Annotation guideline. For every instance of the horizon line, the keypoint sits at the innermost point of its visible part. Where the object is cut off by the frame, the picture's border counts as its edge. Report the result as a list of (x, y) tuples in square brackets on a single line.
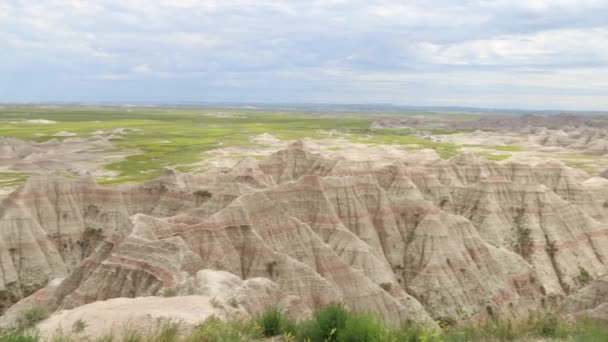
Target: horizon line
[(303, 105)]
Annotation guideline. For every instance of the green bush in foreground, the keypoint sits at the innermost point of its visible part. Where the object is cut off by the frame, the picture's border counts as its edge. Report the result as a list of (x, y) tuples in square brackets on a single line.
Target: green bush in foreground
[(364, 328), (274, 322), (326, 324), (410, 332)]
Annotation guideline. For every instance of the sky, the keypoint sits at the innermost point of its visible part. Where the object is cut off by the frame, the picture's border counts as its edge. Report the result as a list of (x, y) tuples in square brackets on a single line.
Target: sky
[(528, 54)]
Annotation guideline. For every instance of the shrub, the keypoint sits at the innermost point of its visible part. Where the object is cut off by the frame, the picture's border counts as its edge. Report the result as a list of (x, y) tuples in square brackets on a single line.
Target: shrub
[(169, 292), (288, 336), (503, 330), (386, 286), (524, 244), (410, 332), (548, 325), (326, 324), (273, 322), (216, 303), (584, 278), (541, 325), (132, 334), (79, 326), (445, 322), (270, 268), (93, 233), (551, 249), (233, 302), (202, 193), (364, 328), (490, 330), (168, 332), (213, 330), (32, 316)]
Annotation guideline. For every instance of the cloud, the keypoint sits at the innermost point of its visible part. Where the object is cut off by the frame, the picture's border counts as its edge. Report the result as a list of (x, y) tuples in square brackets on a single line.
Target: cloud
[(563, 48), (544, 5), (142, 69), (474, 51)]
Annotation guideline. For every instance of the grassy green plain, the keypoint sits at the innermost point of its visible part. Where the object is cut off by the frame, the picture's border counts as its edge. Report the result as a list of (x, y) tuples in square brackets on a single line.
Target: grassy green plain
[(178, 136)]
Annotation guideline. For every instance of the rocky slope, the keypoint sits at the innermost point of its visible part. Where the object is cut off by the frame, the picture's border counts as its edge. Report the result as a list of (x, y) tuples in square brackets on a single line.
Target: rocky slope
[(421, 239), (586, 134), (589, 140), (502, 122), (72, 155)]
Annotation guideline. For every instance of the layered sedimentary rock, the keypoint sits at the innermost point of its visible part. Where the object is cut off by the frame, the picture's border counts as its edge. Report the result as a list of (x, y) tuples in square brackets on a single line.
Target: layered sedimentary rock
[(587, 134), (73, 155), (591, 300), (420, 239), (49, 225), (502, 122)]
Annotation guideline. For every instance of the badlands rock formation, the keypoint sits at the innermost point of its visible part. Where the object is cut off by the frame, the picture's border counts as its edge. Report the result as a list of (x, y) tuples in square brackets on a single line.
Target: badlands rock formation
[(589, 140), (585, 133), (72, 155), (501, 122), (591, 300), (420, 239)]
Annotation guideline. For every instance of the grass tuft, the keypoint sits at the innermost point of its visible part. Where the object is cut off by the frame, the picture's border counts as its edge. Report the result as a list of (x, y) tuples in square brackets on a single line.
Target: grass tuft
[(238, 330), (32, 316)]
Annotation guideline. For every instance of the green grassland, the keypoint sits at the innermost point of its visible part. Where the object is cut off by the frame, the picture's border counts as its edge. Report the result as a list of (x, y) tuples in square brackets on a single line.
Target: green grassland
[(591, 164), (178, 136), (492, 156), (166, 137), (413, 139)]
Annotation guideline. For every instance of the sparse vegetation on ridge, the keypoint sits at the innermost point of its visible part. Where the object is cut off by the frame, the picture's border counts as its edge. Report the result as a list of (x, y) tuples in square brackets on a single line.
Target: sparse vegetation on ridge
[(584, 278), (492, 156), (403, 137)]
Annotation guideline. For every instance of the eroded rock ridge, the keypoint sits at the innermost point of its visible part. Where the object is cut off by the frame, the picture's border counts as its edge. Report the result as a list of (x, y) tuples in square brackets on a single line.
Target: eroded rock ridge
[(421, 239)]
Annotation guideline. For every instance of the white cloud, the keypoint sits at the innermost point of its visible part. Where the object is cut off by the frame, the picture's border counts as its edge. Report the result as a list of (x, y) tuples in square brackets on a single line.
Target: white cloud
[(190, 39), (377, 50), (142, 69), (543, 5), (557, 47)]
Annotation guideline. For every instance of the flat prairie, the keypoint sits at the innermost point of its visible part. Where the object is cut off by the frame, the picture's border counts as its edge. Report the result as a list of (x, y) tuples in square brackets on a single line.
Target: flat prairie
[(135, 144)]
